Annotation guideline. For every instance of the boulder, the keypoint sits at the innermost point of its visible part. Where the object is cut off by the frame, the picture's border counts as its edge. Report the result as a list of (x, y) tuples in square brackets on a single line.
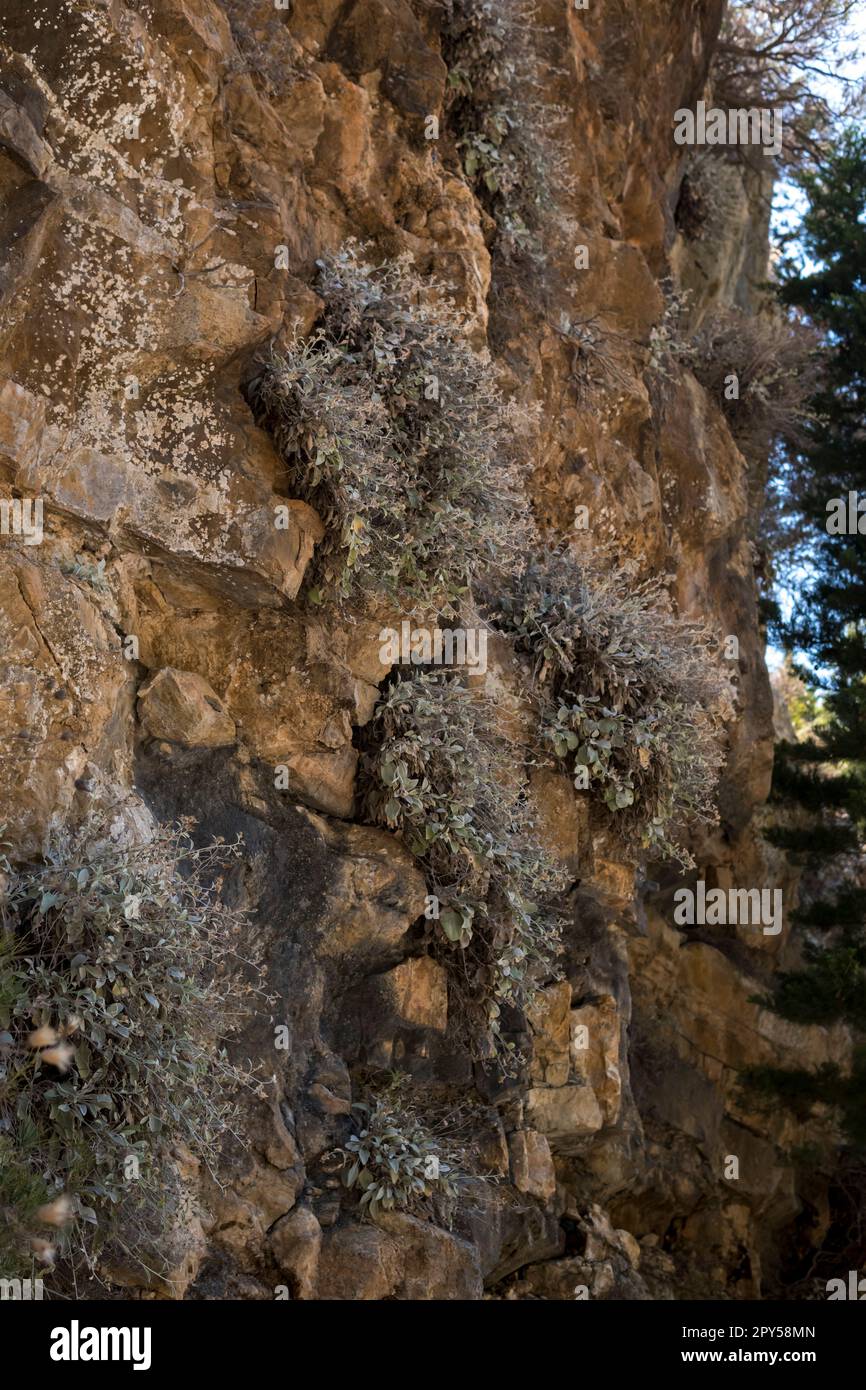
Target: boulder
[(565, 1114), (181, 707), (532, 1169), (548, 1017), (416, 994), (399, 1257), (296, 1242), (598, 1063)]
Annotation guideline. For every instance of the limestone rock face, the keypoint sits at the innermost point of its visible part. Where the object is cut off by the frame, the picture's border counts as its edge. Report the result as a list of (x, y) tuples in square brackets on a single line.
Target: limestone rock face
[(296, 1242), (532, 1168), (594, 1033), (549, 1021), (383, 36), (564, 817), (566, 1114), (183, 708), (374, 896), (417, 993), (400, 1257), (609, 1267), (65, 695), (169, 176)]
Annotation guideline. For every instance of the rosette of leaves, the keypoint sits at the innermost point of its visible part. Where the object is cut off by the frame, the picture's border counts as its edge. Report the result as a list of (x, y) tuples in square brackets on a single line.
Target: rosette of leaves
[(119, 979), (436, 771), (632, 698), (594, 735), (395, 430), (395, 1163), (433, 780)]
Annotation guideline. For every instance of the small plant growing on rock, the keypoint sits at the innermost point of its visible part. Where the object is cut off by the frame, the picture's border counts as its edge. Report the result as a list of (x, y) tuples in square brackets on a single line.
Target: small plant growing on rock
[(512, 140), (437, 771), (119, 976), (92, 573), (594, 364), (630, 696), (597, 736), (668, 342), (775, 363), (395, 1162), (265, 48), (394, 429)]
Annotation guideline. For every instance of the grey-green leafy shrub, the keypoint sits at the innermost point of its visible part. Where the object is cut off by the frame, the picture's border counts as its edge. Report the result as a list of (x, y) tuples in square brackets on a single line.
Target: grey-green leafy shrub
[(512, 141), (776, 362), (396, 1161), (395, 430), (437, 771), (631, 698), (23, 1194), (669, 342), (119, 977), (265, 48), (91, 573)]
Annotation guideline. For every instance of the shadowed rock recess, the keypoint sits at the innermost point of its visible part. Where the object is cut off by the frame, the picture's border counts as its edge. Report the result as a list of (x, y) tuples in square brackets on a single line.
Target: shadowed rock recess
[(183, 184)]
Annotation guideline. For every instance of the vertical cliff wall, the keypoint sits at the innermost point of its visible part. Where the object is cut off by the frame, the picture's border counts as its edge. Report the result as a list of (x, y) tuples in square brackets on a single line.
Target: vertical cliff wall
[(170, 173)]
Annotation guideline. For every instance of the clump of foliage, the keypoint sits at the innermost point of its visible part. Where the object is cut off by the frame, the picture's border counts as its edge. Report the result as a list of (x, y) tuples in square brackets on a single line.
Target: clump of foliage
[(402, 1160), (798, 1089), (668, 341), (265, 47), (594, 362), (826, 283), (831, 987), (816, 841), (775, 360), (512, 142), (801, 1091), (631, 697), (437, 771), (24, 1196), (118, 977), (395, 430), (92, 573), (823, 772), (795, 780), (845, 910), (796, 695)]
